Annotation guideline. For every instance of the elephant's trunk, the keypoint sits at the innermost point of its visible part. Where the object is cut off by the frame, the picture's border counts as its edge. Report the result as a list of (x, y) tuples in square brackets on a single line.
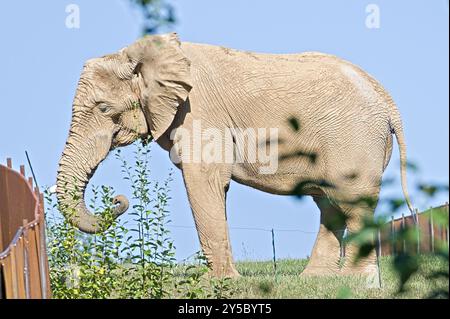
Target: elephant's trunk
[(80, 159)]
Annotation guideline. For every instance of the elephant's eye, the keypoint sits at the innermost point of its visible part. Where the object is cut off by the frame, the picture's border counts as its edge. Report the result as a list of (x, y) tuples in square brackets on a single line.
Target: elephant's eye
[(103, 107)]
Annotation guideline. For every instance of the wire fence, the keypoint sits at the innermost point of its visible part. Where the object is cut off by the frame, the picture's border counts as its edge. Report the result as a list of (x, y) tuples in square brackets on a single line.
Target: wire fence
[(429, 234), (274, 234), (264, 246), (254, 228)]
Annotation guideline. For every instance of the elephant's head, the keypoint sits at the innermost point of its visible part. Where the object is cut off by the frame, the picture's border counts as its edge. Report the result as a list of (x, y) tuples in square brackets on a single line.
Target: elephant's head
[(120, 98)]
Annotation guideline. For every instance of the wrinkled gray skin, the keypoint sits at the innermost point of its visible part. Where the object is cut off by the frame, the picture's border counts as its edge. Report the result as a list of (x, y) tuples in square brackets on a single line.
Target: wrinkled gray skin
[(158, 84)]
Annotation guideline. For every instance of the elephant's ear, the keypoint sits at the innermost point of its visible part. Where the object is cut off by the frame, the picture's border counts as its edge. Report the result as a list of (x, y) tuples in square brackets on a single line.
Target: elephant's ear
[(165, 71)]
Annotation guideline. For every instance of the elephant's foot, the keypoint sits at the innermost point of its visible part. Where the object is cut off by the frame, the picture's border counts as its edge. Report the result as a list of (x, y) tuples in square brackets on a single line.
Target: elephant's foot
[(365, 268), (369, 273), (322, 265), (222, 267), (316, 271), (228, 271)]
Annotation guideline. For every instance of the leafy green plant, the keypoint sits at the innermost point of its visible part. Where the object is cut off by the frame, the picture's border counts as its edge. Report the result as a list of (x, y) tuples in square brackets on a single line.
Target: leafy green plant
[(129, 259), (83, 266), (152, 252), (197, 284)]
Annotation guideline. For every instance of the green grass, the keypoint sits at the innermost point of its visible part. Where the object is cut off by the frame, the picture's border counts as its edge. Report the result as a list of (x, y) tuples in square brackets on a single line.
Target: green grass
[(258, 281)]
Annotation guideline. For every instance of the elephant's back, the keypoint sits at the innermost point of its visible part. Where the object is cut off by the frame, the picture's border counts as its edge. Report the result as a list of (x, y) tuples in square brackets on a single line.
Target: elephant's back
[(219, 57), (217, 51), (307, 69), (312, 86)]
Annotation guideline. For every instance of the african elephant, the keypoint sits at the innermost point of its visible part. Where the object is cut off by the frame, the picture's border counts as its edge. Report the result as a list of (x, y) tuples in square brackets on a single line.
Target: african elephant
[(160, 86)]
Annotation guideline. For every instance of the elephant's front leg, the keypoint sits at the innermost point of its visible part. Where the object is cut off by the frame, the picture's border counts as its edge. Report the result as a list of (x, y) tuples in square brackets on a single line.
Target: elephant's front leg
[(206, 186)]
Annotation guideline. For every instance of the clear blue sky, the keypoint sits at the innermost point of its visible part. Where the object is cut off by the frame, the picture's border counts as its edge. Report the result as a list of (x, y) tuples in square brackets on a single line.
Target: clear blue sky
[(42, 59)]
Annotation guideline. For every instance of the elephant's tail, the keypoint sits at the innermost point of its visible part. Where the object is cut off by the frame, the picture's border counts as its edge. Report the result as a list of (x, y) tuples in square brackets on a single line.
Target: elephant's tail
[(397, 129)]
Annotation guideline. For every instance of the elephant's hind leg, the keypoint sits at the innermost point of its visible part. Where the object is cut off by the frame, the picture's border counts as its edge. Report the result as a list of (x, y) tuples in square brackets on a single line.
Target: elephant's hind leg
[(366, 267), (326, 253)]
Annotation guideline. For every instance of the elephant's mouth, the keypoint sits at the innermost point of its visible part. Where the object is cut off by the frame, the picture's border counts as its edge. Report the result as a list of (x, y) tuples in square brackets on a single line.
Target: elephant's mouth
[(114, 138), (115, 133), (126, 136), (122, 137)]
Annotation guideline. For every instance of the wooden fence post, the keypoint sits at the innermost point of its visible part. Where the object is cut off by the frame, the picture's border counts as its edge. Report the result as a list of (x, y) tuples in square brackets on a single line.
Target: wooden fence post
[(22, 170), (43, 258), (15, 284), (26, 261)]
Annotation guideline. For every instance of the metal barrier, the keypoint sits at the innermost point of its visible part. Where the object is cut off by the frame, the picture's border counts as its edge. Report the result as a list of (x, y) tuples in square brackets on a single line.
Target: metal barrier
[(23, 257), (429, 233)]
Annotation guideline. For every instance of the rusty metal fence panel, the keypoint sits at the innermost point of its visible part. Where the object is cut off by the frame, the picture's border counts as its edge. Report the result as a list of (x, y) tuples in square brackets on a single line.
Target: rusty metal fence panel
[(429, 234), (23, 258)]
